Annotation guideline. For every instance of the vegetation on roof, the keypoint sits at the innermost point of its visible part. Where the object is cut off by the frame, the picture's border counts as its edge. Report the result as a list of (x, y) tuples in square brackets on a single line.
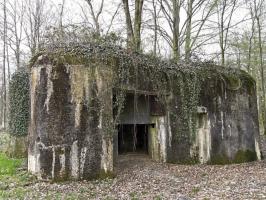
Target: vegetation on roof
[(183, 80)]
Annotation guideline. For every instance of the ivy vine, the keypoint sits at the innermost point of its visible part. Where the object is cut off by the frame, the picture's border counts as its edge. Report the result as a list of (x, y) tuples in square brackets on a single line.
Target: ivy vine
[(182, 81), (19, 103)]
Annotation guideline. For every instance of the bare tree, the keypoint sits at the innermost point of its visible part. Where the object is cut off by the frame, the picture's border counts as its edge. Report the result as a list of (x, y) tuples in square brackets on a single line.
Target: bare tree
[(258, 12), (134, 30), (171, 10), (61, 17), (4, 85), (225, 10), (95, 15), (195, 26), (186, 33), (35, 21), (155, 16), (16, 14)]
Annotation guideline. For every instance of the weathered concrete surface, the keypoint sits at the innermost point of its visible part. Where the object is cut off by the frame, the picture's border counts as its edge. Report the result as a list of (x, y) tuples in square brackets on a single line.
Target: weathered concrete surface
[(71, 107), (203, 136), (234, 120), (158, 135), (263, 146)]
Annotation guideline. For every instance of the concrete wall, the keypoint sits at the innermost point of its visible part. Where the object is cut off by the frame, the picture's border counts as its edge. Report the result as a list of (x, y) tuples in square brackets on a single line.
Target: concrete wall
[(233, 118), (263, 146), (158, 136), (71, 111)]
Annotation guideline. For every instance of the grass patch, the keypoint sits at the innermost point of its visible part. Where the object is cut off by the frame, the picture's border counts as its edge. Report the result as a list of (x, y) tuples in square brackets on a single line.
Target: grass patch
[(13, 179), (133, 196), (158, 197), (8, 166)]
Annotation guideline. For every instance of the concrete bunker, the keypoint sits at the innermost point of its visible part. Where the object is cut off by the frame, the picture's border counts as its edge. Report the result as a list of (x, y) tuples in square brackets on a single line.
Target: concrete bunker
[(84, 99)]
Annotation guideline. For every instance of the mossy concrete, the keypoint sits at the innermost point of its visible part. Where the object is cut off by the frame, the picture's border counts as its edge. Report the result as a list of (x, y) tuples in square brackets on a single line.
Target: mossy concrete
[(69, 137), (13, 146), (17, 147), (241, 156)]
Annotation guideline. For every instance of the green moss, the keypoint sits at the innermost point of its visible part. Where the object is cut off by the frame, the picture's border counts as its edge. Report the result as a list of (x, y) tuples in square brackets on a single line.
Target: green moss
[(104, 175), (195, 190), (245, 156), (233, 82), (219, 159), (187, 161), (240, 157)]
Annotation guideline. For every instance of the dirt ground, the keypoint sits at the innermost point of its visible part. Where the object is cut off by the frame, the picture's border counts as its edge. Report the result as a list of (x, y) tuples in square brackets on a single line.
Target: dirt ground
[(140, 178)]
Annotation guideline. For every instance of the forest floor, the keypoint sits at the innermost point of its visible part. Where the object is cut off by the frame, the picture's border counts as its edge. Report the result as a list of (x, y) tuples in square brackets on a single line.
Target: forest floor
[(140, 178)]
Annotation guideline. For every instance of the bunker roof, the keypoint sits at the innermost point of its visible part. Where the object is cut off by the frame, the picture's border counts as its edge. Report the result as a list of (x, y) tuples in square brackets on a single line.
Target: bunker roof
[(75, 53)]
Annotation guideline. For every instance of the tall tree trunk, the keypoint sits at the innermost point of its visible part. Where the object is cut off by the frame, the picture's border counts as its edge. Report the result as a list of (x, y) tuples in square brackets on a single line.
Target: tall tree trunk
[(176, 24), (188, 30), (263, 106), (222, 45), (250, 44), (130, 33), (155, 27), (133, 33), (95, 16), (4, 68), (137, 23), (61, 20)]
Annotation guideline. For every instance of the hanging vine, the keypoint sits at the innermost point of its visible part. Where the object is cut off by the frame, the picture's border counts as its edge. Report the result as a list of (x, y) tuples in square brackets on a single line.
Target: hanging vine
[(176, 85)]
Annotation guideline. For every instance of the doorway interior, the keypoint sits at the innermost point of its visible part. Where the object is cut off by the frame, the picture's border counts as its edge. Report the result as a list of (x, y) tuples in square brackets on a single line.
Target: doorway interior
[(133, 138)]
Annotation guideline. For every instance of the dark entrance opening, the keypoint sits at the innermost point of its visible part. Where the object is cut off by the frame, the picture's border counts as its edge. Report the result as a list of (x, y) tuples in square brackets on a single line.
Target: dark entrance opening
[(128, 141)]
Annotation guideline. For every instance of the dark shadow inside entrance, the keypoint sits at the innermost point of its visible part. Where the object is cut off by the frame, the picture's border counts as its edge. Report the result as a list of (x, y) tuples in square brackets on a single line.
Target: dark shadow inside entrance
[(130, 142)]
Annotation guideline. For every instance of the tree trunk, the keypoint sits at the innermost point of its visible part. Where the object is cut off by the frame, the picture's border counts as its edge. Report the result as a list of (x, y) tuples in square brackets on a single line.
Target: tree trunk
[(188, 30), (176, 24), (4, 69), (263, 107), (137, 23), (155, 28), (130, 33)]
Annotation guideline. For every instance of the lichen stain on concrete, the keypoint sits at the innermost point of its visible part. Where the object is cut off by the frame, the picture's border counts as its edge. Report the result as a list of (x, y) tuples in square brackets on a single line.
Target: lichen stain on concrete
[(82, 160), (162, 136), (35, 78), (33, 163), (153, 142), (222, 124), (79, 77), (34, 154), (106, 157), (257, 149), (49, 86), (203, 140), (74, 160), (158, 139)]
